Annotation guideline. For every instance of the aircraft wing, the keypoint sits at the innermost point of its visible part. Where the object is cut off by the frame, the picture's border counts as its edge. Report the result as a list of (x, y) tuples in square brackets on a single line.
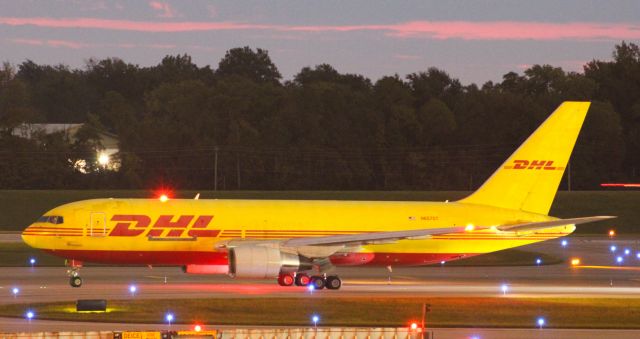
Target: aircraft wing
[(381, 237), (364, 238)]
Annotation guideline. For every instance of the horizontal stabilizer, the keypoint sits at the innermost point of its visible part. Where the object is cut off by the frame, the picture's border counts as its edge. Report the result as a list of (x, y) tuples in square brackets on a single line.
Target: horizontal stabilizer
[(532, 226)]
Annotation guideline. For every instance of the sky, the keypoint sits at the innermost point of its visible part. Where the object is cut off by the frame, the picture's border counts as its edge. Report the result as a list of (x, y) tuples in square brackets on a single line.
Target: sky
[(474, 40)]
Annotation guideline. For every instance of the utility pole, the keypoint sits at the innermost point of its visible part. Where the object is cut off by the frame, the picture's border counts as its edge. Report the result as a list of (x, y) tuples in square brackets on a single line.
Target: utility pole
[(215, 170)]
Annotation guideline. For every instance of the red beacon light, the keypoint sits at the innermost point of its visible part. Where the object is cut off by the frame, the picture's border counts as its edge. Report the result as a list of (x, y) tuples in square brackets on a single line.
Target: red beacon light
[(413, 326), (197, 328), (163, 198)]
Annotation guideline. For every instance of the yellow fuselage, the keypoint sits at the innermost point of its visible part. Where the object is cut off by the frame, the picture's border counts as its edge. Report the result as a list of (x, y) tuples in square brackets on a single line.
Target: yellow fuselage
[(183, 232)]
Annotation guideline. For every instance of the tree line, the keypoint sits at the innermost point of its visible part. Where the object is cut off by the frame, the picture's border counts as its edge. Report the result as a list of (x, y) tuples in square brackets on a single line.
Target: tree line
[(240, 126)]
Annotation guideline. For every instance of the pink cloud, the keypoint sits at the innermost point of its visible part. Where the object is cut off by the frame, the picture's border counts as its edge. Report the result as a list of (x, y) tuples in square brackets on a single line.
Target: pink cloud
[(406, 57), (512, 30), (51, 43), (32, 42), (162, 46), (164, 8), (125, 25), (466, 30), (65, 43)]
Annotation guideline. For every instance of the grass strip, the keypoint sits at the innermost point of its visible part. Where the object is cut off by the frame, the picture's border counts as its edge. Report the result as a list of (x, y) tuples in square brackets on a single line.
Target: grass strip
[(598, 313)]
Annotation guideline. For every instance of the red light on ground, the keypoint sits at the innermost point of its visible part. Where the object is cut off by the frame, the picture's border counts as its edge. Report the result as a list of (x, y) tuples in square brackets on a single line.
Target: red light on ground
[(197, 328), (612, 233), (414, 326), (164, 198)]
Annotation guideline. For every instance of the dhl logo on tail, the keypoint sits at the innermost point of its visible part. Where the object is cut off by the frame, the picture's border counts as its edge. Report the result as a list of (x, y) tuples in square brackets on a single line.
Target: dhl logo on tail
[(534, 164), (165, 227)]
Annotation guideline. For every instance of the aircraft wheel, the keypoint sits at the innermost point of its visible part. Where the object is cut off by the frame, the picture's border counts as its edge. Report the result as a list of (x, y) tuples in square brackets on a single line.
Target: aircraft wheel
[(285, 279), (333, 282), (302, 279), (317, 282), (75, 281)]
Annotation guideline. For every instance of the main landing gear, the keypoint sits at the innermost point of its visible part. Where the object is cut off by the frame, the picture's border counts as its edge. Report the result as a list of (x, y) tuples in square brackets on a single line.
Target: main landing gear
[(331, 282)]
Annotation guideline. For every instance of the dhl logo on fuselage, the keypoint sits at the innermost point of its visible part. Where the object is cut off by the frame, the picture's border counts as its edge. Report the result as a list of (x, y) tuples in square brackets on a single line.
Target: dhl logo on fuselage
[(133, 225), (534, 165)]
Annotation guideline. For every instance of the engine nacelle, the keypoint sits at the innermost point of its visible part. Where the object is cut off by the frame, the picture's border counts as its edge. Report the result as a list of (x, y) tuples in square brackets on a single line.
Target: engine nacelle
[(261, 262)]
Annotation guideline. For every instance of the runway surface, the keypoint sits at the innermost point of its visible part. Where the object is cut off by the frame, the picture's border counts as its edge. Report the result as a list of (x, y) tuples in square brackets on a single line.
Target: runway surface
[(601, 276)]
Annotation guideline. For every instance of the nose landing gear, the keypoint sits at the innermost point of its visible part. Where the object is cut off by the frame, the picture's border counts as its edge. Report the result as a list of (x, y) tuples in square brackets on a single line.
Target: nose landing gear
[(75, 281), (74, 273)]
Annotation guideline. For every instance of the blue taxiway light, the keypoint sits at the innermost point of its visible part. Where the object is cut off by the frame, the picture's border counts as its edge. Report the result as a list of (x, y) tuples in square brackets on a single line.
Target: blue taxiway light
[(15, 291), (169, 317), (32, 261), (133, 289), (538, 261), (29, 315), (613, 248), (619, 260), (564, 243), (627, 251)]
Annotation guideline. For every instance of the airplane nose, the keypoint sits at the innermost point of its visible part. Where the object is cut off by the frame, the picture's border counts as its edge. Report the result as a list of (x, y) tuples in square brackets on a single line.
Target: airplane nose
[(28, 237)]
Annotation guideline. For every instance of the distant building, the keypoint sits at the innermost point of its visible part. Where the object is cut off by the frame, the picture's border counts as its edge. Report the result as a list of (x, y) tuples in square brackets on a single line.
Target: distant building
[(105, 155)]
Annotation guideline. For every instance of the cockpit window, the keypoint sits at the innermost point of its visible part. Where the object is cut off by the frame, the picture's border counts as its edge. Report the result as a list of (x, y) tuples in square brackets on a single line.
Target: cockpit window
[(56, 219), (52, 219)]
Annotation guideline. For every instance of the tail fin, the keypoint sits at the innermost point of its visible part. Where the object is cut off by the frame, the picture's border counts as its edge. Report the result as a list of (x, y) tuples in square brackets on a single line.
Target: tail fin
[(530, 177)]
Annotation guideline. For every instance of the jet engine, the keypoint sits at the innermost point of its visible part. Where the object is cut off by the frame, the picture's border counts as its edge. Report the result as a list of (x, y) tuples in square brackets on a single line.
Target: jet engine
[(261, 262)]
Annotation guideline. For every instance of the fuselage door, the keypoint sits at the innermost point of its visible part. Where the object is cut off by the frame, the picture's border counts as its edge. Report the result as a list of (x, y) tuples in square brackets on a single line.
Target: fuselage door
[(97, 225)]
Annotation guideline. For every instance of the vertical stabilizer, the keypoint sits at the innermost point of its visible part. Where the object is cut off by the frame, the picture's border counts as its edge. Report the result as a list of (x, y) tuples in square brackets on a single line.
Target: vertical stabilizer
[(530, 177)]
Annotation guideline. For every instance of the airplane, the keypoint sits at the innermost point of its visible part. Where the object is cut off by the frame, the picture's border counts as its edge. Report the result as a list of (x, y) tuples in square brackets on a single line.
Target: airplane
[(299, 242)]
